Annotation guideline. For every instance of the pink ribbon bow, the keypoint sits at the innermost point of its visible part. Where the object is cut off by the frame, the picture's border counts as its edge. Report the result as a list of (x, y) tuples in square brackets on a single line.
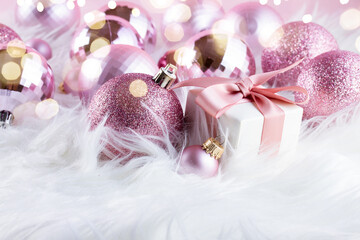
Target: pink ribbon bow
[(220, 94)]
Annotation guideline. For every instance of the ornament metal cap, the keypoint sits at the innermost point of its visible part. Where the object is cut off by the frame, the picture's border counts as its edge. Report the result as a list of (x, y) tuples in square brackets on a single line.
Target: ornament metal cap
[(166, 76), (213, 147), (6, 119)]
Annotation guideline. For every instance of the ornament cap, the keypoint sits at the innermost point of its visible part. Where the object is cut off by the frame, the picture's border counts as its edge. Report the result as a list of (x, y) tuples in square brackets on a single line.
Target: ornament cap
[(166, 76), (6, 119), (213, 147)]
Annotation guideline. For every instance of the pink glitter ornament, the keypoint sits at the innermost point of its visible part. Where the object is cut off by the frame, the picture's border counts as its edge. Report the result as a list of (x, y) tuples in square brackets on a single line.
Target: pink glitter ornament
[(292, 42), (138, 102), (211, 53), (25, 76), (103, 31), (41, 46), (332, 80), (138, 18), (254, 23), (7, 34), (201, 160), (104, 64), (55, 16), (185, 19)]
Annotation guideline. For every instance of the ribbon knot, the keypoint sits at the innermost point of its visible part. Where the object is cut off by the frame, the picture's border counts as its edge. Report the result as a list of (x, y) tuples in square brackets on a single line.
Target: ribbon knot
[(220, 94), (245, 86)]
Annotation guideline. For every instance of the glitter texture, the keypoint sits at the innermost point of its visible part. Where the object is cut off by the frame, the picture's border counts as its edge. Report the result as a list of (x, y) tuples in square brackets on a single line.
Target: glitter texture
[(7, 34), (141, 114), (332, 80), (214, 54), (292, 42)]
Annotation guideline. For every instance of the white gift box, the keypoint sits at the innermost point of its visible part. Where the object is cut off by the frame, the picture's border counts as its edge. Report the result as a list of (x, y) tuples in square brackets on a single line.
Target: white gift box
[(242, 124)]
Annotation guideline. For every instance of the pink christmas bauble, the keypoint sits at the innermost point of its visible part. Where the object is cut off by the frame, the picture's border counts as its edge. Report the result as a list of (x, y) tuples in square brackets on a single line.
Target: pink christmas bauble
[(7, 34), (52, 16), (292, 42), (332, 80), (210, 54), (134, 102), (25, 76), (184, 19), (41, 46), (104, 64), (195, 160), (167, 58), (254, 23), (138, 18), (103, 31)]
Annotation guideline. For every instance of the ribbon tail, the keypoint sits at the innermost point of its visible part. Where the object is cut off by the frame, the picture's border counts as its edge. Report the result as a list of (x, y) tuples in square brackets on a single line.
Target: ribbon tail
[(260, 79), (274, 118)]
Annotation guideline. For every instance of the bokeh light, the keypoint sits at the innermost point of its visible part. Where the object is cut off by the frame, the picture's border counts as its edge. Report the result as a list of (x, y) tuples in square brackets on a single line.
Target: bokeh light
[(350, 19), (344, 1), (357, 44), (174, 32), (263, 2), (277, 2), (81, 3), (112, 4), (47, 109), (161, 4), (307, 18), (40, 7)]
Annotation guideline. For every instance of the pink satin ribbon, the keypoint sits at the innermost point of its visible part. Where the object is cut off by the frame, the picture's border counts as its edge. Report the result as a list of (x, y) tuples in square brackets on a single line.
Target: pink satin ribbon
[(220, 94)]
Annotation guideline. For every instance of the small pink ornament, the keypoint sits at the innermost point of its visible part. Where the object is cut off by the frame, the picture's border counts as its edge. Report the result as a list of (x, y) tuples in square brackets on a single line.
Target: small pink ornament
[(167, 58), (185, 19), (332, 80), (201, 160), (103, 31), (25, 76), (138, 102), (254, 23), (210, 54), (7, 34), (292, 42), (48, 15), (104, 64), (138, 18), (41, 46)]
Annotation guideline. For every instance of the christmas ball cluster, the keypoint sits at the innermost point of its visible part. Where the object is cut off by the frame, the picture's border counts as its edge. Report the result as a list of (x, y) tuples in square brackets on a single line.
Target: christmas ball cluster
[(116, 78)]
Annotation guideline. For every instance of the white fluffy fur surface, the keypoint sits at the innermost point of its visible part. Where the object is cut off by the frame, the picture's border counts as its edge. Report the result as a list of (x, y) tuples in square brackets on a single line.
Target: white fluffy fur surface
[(52, 185)]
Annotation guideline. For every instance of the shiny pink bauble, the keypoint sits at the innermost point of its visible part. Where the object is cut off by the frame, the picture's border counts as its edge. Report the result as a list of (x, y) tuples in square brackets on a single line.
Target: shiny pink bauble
[(184, 19), (56, 17), (7, 34), (104, 64), (25, 76), (195, 160), (167, 58), (332, 80), (103, 31), (134, 102), (214, 54), (138, 18), (41, 46), (292, 42), (254, 23)]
